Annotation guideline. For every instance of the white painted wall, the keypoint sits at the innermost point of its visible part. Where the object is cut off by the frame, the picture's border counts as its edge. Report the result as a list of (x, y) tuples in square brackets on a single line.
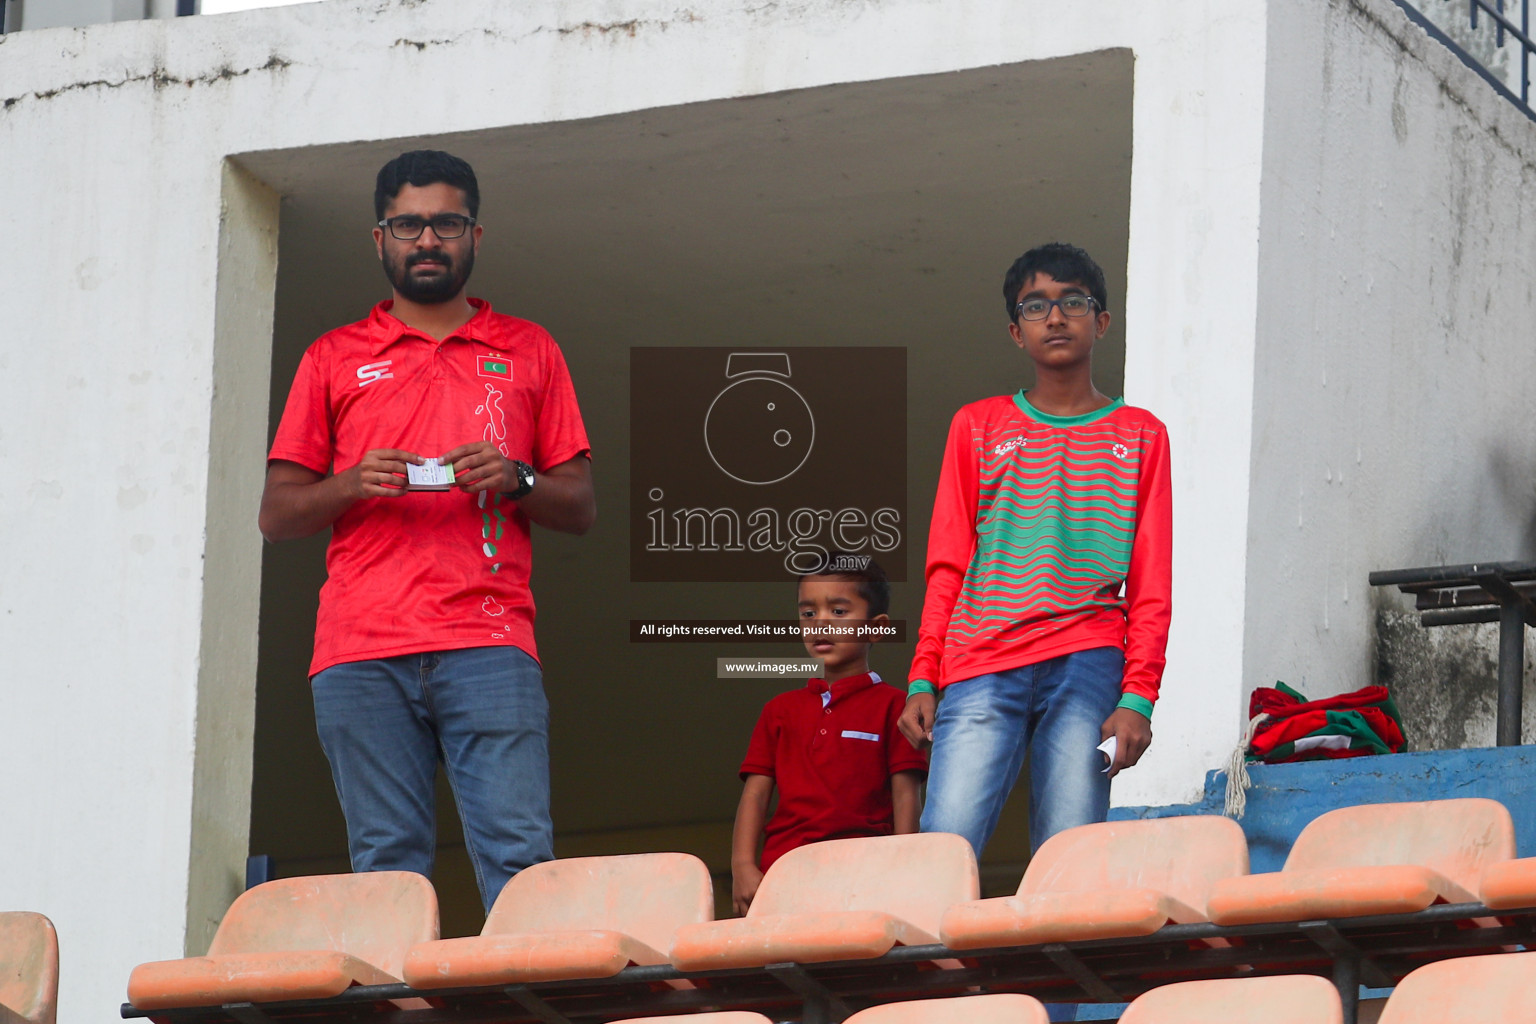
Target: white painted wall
[(125, 393), (1396, 307), (231, 6), (35, 14)]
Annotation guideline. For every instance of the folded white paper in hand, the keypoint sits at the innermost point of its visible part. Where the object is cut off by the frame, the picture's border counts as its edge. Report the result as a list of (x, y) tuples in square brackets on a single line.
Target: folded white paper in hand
[(434, 475), (1108, 748)]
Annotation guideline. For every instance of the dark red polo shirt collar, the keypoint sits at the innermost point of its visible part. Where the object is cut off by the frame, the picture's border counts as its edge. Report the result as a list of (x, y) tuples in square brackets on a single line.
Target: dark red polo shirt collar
[(384, 328), (842, 687)]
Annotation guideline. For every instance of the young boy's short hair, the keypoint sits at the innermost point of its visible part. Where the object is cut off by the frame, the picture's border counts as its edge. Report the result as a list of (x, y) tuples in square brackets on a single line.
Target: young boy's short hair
[(874, 584), (1066, 263)]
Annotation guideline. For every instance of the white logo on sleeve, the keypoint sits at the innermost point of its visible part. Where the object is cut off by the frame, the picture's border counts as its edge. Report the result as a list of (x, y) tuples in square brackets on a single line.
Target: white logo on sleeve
[(373, 372)]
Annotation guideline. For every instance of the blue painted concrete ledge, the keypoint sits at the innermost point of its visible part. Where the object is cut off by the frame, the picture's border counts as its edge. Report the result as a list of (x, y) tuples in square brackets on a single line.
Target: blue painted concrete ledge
[(1284, 797)]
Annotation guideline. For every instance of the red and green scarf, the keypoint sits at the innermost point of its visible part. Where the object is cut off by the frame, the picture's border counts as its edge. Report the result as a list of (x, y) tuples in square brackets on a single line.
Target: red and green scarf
[(1349, 725)]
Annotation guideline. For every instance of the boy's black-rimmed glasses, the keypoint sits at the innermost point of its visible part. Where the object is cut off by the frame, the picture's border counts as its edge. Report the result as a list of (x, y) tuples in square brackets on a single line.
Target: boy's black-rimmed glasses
[(445, 225), (1039, 309)]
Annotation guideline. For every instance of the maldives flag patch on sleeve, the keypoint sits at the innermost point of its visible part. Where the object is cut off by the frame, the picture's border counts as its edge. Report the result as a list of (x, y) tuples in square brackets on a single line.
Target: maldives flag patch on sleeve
[(494, 366)]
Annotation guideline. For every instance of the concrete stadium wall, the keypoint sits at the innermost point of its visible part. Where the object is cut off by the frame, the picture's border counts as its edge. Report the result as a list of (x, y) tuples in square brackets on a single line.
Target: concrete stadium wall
[(133, 382), (1393, 369)]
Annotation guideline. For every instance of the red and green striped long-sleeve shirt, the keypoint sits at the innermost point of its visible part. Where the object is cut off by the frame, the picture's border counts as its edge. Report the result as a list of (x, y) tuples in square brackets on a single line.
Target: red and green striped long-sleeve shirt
[(1050, 534)]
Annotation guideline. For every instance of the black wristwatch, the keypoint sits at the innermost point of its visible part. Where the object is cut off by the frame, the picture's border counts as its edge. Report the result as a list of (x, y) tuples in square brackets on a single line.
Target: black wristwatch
[(524, 479)]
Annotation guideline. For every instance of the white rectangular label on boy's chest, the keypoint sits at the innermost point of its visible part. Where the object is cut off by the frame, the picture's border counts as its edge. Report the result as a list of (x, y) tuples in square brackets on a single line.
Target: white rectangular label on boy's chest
[(435, 475), (854, 734)]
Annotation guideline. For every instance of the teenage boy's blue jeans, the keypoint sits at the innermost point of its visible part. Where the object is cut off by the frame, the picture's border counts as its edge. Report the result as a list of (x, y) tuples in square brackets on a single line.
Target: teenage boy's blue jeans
[(1051, 711), (384, 725)]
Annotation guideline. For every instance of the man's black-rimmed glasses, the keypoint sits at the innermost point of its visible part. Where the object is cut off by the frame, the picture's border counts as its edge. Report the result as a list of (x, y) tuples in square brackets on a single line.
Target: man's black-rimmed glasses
[(408, 228)]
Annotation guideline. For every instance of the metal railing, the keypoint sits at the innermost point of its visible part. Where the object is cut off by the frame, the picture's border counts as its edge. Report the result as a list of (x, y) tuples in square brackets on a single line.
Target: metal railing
[(1505, 29)]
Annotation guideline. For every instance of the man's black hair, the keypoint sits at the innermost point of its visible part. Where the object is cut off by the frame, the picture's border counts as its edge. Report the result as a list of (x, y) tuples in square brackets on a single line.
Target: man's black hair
[(1066, 263), (422, 167), (874, 584)]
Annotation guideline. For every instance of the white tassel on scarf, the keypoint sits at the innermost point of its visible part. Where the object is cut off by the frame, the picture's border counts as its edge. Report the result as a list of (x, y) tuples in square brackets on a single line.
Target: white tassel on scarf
[(1237, 771)]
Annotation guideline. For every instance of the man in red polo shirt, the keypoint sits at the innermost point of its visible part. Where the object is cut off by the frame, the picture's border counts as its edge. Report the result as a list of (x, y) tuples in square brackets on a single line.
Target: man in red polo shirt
[(424, 640)]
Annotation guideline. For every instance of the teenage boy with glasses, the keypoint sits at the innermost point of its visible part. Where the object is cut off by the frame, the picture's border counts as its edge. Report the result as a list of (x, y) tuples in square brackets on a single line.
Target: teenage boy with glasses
[(1048, 584), (424, 640)]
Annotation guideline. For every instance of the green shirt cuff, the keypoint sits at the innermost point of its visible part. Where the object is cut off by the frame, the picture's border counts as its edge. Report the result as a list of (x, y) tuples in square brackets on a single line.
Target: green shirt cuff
[(1140, 705), (920, 686)]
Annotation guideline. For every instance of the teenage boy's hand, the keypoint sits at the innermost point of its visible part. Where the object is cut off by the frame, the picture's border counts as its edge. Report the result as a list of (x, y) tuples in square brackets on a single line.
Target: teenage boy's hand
[(745, 878), (1133, 735), (916, 721)]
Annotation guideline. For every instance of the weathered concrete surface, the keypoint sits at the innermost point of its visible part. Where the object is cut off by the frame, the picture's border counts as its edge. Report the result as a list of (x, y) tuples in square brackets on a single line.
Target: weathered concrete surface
[(1289, 159), (128, 691), (1393, 368), (1445, 680)]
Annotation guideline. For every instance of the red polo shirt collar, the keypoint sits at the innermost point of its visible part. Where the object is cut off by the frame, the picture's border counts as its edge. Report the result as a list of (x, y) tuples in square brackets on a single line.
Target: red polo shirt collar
[(842, 687), (384, 329)]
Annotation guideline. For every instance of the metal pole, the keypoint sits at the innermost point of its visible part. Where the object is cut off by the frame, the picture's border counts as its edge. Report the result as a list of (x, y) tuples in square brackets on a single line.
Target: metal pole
[(815, 1011), (1346, 978), (1511, 672), (1525, 52)]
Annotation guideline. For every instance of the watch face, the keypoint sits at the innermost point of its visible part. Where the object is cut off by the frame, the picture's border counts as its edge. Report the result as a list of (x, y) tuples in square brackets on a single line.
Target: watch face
[(759, 430)]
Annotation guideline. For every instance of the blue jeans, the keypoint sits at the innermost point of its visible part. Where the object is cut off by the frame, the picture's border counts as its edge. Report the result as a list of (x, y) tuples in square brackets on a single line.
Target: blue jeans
[(384, 725), (985, 726)]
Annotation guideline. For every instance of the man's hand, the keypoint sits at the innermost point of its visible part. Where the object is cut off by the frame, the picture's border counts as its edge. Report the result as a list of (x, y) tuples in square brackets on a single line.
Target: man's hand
[(916, 721), (381, 474), (745, 878), (480, 467), (299, 502), (1133, 735), (561, 498)]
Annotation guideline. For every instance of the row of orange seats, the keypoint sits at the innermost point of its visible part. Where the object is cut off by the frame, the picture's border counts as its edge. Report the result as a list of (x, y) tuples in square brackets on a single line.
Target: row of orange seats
[(1483, 988), (852, 899)]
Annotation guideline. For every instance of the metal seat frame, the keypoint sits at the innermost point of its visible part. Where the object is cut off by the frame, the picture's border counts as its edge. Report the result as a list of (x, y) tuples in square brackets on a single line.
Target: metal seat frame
[(1374, 951)]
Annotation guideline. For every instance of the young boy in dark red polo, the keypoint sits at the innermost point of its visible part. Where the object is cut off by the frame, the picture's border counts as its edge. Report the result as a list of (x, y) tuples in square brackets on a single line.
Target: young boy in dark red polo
[(832, 747)]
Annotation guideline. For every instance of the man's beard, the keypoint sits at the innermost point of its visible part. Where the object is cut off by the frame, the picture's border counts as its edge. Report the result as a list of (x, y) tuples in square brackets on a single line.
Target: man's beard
[(432, 289)]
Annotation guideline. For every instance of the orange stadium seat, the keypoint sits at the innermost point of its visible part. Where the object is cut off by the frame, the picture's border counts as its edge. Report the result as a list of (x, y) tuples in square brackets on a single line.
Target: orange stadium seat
[(1509, 884), (1286, 999), (843, 899), (584, 917), (1500, 987), (1110, 880), (720, 1017), (992, 1009), (299, 938), (29, 969), (1374, 859)]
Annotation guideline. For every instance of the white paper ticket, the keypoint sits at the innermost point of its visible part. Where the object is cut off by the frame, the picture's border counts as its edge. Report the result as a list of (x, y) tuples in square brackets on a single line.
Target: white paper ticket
[(1108, 748), (434, 475)]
